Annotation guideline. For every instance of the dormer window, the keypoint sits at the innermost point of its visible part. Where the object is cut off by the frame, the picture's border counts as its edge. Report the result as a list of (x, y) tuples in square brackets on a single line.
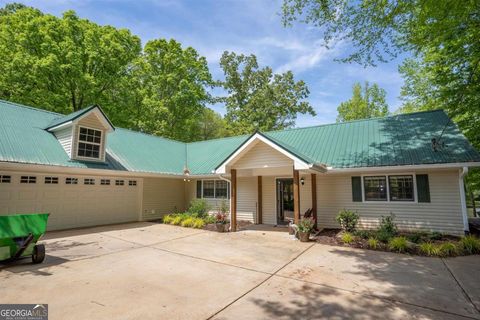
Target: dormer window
[(89, 143)]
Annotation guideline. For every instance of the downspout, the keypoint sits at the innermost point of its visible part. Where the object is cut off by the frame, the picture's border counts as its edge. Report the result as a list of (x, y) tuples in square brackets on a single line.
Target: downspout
[(230, 192), (463, 200)]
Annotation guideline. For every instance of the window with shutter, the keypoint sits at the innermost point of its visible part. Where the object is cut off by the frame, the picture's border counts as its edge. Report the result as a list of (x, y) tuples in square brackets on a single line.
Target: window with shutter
[(357, 189)]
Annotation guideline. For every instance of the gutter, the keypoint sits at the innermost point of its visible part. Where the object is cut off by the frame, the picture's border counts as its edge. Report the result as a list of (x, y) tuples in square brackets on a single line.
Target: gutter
[(461, 175)]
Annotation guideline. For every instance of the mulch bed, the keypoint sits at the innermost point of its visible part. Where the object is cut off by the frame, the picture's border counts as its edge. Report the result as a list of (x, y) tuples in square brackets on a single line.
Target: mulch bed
[(241, 224)]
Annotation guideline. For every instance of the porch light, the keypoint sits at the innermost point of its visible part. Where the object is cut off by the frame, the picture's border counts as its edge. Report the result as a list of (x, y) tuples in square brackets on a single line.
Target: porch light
[(302, 181)]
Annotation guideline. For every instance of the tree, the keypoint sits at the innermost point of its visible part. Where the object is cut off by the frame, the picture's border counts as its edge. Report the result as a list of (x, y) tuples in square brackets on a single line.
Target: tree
[(62, 64), (172, 84), (210, 125), (367, 102), (257, 98)]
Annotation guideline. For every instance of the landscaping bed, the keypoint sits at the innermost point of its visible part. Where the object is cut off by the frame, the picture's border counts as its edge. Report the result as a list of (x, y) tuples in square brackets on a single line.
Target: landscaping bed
[(387, 238)]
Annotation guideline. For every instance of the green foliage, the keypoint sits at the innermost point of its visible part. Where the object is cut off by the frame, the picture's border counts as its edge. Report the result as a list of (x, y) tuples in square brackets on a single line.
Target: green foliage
[(198, 223), (347, 238), (171, 85), (388, 228), (167, 219), (306, 225), (347, 219), (208, 219), (63, 63), (364, 234), (199, 207), (367, 102), (257, 98), (398, 244), (223, 208), (373, 243), (470, 244), (429, 249), (448, 249), (188, 222)]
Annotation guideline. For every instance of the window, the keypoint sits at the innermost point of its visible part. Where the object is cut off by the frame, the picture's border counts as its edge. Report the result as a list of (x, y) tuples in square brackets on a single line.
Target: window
[(89, 143), (213, 189), (105, 182), (28, 179), (71, 180), (401, 188), (119, 182), (375, 188), (5, 179), (51, 180), (221, 188), (89, 181), (132, 182), (208, 188)]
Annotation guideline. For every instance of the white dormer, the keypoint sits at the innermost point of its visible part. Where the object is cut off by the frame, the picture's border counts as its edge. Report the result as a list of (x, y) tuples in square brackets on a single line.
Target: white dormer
[(83, 134)]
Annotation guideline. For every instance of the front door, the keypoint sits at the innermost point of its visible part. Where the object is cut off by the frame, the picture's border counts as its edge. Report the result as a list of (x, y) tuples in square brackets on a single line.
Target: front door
[(284, 201)]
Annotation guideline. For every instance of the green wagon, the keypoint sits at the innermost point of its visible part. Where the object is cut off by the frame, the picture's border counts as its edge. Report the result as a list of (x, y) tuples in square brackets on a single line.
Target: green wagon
[(19, 234)]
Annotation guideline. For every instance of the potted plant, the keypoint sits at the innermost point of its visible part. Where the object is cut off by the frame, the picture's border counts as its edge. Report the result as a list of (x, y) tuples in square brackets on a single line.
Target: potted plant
[(305, 227), (221, 221)]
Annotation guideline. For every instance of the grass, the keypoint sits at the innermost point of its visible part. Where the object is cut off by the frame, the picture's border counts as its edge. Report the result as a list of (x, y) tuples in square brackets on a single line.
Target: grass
[(398, 244), (429, 249), (470, 244), (373, 243), (187, 220), (347, 238), (448, 249)]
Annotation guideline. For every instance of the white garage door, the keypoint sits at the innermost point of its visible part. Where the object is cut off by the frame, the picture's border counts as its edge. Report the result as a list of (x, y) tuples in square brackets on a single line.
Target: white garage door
[(105, 200)]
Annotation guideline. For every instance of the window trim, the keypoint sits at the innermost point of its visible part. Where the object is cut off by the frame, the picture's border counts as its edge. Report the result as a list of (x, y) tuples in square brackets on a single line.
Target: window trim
[(91, 181), (387, 175), (51, 180), (5, 177), (100, 149), (29, 179), (214, 188), (73, 181)]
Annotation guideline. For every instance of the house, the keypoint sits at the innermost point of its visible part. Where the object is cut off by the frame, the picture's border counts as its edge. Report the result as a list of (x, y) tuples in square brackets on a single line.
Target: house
[(84, 171)]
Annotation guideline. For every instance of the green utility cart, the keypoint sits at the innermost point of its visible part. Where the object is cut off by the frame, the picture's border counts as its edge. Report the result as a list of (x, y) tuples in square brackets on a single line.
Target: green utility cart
[(19, 234)]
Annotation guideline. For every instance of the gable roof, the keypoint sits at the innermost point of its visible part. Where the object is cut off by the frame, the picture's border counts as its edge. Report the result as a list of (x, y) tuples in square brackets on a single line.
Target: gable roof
[(75, 115), (391, 141)]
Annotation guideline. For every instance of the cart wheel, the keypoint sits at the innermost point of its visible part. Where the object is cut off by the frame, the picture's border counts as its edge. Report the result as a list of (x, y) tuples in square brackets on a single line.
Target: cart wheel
[(38, 253)]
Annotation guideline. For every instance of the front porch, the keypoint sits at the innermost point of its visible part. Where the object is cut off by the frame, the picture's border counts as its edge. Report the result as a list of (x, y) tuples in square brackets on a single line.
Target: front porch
[(280, 184)]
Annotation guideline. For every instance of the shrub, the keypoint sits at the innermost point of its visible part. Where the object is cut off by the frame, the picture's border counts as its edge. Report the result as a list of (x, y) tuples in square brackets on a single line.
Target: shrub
[(177, 219), (429, 249), (347, 238), (188, 222), (167, 219), (306, 225), (416, 237), (448, 249), (364, 234), (398, 244), (223, 208), (388, 228), (209, 219), (435, 236), (470, 244), (348, 220), (373, 243), (199, 207), (198, 223)]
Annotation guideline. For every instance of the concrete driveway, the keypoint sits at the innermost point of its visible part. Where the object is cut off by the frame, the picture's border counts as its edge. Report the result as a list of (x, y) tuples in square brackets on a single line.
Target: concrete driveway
[(154, 271)]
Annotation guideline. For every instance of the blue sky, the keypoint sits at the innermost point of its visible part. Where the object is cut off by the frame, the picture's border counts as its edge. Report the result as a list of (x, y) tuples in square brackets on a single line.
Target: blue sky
[(243, 26)]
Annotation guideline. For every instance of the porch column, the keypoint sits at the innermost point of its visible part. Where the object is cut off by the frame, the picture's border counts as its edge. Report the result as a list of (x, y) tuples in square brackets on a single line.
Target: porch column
[(296, 196), (314, 198), (259, 199), (233, 195)]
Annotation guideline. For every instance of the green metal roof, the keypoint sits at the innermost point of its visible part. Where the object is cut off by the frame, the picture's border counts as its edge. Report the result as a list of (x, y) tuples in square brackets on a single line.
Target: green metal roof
[(72, 116), (398, 140)]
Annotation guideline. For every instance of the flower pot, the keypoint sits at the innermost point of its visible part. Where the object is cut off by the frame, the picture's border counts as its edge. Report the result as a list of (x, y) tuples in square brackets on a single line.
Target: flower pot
[(220, 227), (304, 236)]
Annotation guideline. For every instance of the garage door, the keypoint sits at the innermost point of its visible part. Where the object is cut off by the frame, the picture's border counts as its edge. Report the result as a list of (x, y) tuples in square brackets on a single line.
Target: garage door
[(72, 201)]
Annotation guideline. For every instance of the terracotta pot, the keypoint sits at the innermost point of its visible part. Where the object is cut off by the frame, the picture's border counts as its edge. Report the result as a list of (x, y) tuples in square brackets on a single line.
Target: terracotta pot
[(220, 227), (304, 236)]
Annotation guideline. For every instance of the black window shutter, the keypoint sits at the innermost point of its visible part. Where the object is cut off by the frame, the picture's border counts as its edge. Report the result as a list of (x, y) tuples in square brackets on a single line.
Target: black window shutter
[(423, 188), (357, 189), (199, 189)]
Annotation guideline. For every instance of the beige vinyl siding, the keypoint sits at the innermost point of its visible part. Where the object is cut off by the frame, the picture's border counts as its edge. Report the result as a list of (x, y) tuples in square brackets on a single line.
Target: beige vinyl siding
[(89, 121), (442, 214), (162, 196), (262, 156), (191, 194), (269, 212), (64, 136), (71, 206), (305, 194), (247, 199)]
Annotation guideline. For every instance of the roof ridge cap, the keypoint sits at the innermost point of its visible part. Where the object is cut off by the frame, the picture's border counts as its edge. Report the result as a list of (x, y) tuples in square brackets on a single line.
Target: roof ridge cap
[(15, 104)]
